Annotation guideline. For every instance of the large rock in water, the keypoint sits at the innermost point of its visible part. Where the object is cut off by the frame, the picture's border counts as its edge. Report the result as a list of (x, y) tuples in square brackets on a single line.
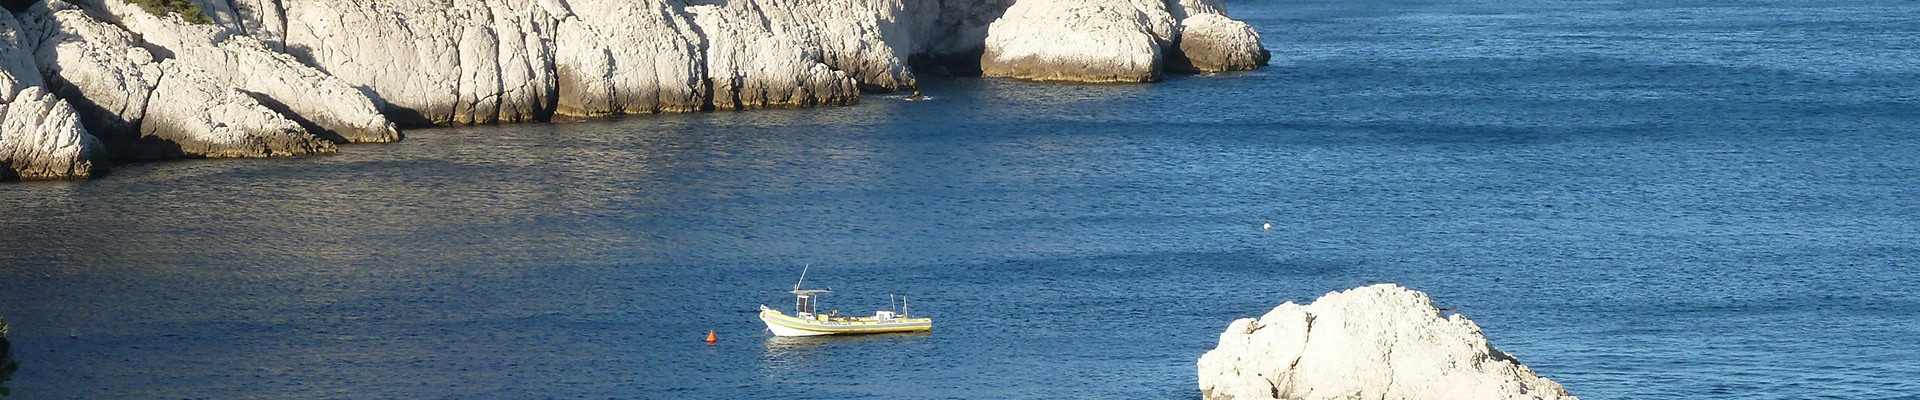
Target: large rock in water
[(1213, 43), (1073, 40), (1376, 342)]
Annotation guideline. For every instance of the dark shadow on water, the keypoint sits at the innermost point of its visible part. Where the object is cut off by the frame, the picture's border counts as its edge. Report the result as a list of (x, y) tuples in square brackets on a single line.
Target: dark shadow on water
[(7, 364)]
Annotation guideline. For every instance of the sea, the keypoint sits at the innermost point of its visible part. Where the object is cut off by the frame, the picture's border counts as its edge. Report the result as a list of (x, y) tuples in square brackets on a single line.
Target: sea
[(1636, 199)]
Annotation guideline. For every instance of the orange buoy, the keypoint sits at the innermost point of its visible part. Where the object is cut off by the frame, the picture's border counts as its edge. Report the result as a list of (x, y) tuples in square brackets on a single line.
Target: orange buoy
[(710, 337)]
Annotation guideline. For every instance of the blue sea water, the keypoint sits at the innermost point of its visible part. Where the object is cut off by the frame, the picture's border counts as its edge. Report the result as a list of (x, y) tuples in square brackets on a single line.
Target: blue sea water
[(1638, 199)]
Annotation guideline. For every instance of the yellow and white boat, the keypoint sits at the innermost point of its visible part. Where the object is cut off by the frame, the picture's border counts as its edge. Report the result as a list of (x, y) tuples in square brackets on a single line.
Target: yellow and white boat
[(806, 322)]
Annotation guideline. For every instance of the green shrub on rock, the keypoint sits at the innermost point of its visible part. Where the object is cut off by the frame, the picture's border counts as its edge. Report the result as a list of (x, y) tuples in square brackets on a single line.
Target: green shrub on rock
[(188, 11)]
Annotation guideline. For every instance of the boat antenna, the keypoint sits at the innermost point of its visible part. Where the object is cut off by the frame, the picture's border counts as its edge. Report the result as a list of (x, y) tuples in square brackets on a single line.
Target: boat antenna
[(803, 276), (890, 305)]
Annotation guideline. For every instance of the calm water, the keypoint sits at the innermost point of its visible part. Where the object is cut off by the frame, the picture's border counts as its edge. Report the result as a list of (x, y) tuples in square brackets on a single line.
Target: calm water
[(1641, 200)]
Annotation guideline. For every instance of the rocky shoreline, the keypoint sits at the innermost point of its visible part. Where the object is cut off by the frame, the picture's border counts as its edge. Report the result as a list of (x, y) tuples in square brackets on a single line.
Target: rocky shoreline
[(85, 83)]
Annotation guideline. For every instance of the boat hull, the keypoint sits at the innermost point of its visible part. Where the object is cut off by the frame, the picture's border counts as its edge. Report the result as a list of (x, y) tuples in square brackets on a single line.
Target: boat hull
[(786, 325)]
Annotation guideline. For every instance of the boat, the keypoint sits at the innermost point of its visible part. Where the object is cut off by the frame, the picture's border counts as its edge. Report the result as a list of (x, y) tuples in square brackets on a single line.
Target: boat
[(805, 321)]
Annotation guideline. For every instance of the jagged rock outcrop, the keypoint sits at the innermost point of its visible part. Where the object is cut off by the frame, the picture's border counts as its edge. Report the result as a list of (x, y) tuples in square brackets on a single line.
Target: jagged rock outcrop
[(861, 38), (1073, 40), (749, 67), (41, 138), (98, 68), (1375, 342), (40, 134), (199, 117), (1213, 43), (114, 81), (324, 105)]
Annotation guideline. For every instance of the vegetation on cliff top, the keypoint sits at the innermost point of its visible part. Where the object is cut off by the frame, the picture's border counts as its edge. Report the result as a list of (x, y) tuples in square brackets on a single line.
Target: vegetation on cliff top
[(188, 11)]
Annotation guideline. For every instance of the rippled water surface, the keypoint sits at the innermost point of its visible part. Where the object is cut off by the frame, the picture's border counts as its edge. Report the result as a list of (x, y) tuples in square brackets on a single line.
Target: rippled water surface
[(1641, 200)]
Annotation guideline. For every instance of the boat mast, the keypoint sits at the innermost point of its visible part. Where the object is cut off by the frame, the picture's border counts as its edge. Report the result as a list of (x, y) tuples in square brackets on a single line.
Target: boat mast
[(803, 276), (802, 303)]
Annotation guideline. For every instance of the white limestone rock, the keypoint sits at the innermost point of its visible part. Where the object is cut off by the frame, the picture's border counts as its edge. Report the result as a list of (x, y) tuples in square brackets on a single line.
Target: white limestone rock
[(1073, 40), (858, 37), (98, 68), (154, 110), (1213, 43), (325, 105), (627, 57), (1181, 9), (41, 138), (1161, 24), (749, 67), (433, 62), (200, 117), (17, 69), (40, 135), (263, 20), (1376, 342)]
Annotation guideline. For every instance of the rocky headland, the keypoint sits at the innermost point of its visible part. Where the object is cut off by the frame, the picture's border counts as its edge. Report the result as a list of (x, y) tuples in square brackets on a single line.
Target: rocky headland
[(84, 83), (1374, 342)]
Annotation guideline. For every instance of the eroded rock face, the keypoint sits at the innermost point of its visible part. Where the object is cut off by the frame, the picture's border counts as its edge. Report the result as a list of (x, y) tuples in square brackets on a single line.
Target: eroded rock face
[(98, 67), (40, 134), (749, 67), (628, 57), (1073, 40), (41, 138), (143, 107), (860, 38), (324, 105), (198, 117), (1213, 43), (428, 62), (1375, 342)]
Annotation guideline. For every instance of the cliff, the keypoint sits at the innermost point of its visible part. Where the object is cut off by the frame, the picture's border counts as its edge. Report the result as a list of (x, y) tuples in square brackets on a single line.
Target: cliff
[(1375, 342), (86, 81)]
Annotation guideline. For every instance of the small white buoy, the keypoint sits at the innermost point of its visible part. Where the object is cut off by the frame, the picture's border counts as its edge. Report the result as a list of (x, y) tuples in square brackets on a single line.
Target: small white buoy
[(1267, 226)]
